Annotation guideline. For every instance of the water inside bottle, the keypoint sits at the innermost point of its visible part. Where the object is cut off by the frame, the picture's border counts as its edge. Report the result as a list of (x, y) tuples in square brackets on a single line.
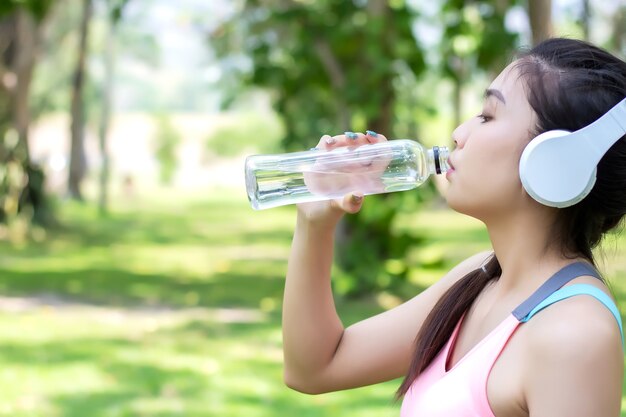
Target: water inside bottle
[(274, 181)]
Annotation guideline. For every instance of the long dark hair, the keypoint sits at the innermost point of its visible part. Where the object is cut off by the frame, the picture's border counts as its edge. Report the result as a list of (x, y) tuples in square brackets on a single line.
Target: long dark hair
[(569, 84)]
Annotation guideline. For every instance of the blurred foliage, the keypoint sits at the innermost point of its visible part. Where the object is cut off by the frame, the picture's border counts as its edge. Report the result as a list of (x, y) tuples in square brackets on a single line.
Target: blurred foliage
[(12, 179), (329, 64), (37, 53), (50, 91), (475, 37), (115, 9), (51, 50), (166, 141), (38, 8), (331, 67), (22, 196), (355, 65), (374, 241), (249, 132)]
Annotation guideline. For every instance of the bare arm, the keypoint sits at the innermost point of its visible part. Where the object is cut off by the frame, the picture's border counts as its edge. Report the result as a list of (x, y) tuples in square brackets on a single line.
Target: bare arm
[(321, 356), (311, 328)]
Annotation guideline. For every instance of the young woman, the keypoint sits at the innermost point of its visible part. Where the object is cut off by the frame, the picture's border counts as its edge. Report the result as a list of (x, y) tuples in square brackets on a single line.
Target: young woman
[(510, 332)]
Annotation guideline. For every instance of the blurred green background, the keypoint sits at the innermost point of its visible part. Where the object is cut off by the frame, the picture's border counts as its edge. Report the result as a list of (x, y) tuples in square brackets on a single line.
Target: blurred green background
[(135, 279)]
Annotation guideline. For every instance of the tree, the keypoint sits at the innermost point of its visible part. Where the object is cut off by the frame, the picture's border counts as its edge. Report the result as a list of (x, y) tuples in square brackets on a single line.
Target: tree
[(585, 18), (540, 14), (618, 38), (114, 16), (78, 162), (475, 39), (166, 140), (331, 67), (21, 182)]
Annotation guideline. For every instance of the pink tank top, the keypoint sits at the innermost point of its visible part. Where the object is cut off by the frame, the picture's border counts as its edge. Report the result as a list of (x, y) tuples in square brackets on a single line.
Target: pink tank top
[(462, 390)]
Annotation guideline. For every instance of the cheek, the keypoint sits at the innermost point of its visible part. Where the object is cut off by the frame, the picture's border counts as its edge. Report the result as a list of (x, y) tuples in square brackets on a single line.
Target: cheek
[(502, 184), (494, 162), (498, 158), (490, 179)]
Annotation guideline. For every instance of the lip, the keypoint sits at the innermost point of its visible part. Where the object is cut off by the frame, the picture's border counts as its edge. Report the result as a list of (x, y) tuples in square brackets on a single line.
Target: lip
[(451, 168), (450, 164)]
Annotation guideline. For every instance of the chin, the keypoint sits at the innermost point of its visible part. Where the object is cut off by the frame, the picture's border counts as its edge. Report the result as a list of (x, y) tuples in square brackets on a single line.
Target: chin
[(476, 211), (455, 203)]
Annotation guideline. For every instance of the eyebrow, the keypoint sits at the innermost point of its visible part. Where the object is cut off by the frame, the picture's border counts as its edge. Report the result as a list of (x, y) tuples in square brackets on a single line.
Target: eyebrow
[(496, 93)]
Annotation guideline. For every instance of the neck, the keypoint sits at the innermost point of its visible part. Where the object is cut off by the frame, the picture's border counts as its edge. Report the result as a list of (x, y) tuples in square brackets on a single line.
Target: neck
[(525, 250)]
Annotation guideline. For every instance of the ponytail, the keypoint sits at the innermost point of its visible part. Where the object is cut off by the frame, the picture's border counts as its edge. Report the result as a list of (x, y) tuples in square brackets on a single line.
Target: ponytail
[(443, 318)]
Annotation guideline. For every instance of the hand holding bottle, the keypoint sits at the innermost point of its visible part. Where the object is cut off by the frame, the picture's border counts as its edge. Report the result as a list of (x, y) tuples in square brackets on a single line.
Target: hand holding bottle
[(364, 173)]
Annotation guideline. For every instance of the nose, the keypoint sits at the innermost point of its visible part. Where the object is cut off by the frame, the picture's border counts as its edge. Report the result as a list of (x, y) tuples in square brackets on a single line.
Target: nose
[(460, 134)]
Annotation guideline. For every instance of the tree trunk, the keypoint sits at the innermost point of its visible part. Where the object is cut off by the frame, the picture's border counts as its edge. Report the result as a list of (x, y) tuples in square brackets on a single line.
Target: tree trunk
[(24, 62), (619, 30), (77, 152), (458, 65), (337, 79), (105, 119), (457, 103), (540, 14), (371, 234), (383, 121), (24, 183), (585, 18)]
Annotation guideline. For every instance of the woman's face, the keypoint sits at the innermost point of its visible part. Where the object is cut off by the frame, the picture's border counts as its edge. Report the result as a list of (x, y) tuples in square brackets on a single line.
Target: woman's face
[(485, 179)]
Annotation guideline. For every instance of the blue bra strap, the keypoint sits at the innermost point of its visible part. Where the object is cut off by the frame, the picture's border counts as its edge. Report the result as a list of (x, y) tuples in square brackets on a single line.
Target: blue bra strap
[(555, 282), (578, 289)]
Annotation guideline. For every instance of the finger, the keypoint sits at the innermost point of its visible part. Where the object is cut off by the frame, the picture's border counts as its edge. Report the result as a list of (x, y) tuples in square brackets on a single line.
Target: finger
[(347, 139), (352, 139), (355, 138), (351, 203), (354, 202), (373, 137), (326, 141), (337, 141)]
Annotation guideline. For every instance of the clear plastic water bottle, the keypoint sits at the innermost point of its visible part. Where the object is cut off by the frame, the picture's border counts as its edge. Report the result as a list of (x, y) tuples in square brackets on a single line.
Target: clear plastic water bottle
[(316, 175)]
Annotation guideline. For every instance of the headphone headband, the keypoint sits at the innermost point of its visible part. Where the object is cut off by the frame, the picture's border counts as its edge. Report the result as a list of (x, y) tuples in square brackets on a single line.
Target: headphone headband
[(600, 135)]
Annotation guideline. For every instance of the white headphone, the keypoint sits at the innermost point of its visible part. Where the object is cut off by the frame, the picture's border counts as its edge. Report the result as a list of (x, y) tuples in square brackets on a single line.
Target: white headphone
[(558, 167)]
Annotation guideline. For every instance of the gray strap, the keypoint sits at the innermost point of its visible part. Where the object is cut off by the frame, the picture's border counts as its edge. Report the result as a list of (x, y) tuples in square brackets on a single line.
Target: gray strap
[(556, 281)]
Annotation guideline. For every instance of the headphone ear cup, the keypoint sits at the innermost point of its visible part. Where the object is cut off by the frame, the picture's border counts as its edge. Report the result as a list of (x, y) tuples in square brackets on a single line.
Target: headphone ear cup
[(555, 170)]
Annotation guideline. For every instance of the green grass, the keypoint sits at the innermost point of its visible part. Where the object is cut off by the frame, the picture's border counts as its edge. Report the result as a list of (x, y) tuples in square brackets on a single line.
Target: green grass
[(171, 307), (167, 307)]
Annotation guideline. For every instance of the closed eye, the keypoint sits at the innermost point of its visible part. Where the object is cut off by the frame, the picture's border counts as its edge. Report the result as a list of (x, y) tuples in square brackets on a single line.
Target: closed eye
[(484, 118)]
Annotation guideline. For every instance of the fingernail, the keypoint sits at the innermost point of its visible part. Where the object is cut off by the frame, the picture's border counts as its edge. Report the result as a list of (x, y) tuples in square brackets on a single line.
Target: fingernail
[(371, 133), (330, 140), (351, 135), (356, 199)]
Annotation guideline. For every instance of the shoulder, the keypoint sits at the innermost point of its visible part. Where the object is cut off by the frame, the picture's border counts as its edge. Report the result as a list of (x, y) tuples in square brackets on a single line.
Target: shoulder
[(577, 323), (573, 326), (574, 358)]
